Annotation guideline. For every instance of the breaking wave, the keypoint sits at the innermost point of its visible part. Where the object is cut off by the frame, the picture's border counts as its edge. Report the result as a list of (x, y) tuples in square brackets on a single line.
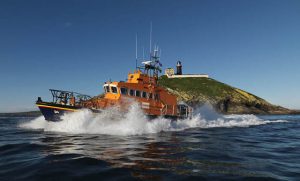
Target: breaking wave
[(134, 122)]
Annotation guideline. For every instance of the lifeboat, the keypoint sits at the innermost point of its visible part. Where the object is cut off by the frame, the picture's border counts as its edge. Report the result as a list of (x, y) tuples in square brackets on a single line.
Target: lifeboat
[(141, 87)]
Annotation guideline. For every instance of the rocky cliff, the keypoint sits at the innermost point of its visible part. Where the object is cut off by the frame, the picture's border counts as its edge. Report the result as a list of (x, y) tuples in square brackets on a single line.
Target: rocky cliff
[(224, 98)]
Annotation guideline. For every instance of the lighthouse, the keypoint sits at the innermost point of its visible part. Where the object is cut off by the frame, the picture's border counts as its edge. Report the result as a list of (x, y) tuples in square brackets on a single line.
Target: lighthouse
[(179, 68), (169, 72)]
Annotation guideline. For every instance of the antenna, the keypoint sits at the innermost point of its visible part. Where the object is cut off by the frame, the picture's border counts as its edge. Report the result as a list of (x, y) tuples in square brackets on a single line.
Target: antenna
[(143, 54), (150, 37), (159, 52), (136, 51)]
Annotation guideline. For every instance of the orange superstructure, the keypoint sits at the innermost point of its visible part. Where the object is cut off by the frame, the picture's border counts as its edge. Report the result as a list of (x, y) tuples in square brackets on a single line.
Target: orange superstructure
[(141, 87)]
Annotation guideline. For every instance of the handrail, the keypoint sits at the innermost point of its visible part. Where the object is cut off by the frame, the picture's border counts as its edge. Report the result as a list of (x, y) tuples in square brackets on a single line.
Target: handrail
[(68, 97), (70, 92), (185, 110), (164, 109)]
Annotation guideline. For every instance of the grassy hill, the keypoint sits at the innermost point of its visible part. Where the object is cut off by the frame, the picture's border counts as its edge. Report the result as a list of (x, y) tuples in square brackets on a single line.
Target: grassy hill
[(225, 98)]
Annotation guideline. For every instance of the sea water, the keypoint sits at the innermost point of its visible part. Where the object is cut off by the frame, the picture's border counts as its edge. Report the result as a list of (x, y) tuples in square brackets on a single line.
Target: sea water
[(113, 145)]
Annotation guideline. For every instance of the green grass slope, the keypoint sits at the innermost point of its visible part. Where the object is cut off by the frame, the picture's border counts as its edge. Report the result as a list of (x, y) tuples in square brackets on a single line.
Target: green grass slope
[(225, 98)]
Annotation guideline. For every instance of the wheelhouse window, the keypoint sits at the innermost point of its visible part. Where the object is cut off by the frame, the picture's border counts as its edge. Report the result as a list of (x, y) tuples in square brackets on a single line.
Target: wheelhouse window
[(150, 95), (131, 92), (156, 97), (138, 93), (106, 88), (114, 90), (124, 91), (144, 94)]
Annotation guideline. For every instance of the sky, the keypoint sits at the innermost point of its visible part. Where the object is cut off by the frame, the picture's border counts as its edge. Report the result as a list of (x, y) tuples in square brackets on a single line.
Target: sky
[(77, 45)]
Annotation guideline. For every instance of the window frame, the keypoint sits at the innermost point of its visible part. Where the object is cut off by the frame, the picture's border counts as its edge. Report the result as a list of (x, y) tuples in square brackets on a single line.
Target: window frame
[(106, 88), (126, 91), (150, 95), (131, 91), (116, 89), (144, 94), (137, 91), (156, 97)]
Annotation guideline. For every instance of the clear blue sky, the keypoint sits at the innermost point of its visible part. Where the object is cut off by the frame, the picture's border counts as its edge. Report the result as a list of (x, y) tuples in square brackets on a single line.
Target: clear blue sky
[(77, 45)]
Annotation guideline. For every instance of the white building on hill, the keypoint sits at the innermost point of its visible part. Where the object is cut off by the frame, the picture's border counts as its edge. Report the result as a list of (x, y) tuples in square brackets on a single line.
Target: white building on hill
[(170, 73)]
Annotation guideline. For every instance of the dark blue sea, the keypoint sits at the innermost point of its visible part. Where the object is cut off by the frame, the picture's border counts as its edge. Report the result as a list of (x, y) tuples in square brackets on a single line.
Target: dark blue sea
[(88, 147)]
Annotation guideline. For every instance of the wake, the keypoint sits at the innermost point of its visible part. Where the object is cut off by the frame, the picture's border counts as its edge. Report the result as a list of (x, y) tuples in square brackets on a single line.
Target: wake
[(134, 122)]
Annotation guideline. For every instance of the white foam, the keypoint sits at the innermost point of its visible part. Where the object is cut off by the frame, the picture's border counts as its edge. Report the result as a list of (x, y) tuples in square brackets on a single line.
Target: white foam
[(134, 122)]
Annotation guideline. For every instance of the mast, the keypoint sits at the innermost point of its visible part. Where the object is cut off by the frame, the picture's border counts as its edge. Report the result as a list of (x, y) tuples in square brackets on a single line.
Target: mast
[(150, 37), (152, 67), (136, 58)]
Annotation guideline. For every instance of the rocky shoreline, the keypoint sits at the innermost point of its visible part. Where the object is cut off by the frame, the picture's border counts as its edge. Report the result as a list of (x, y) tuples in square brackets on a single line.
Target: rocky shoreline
[(224, 98)]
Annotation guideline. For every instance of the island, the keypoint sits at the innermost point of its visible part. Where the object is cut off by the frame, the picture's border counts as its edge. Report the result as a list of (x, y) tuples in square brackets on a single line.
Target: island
[(226, 99)]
